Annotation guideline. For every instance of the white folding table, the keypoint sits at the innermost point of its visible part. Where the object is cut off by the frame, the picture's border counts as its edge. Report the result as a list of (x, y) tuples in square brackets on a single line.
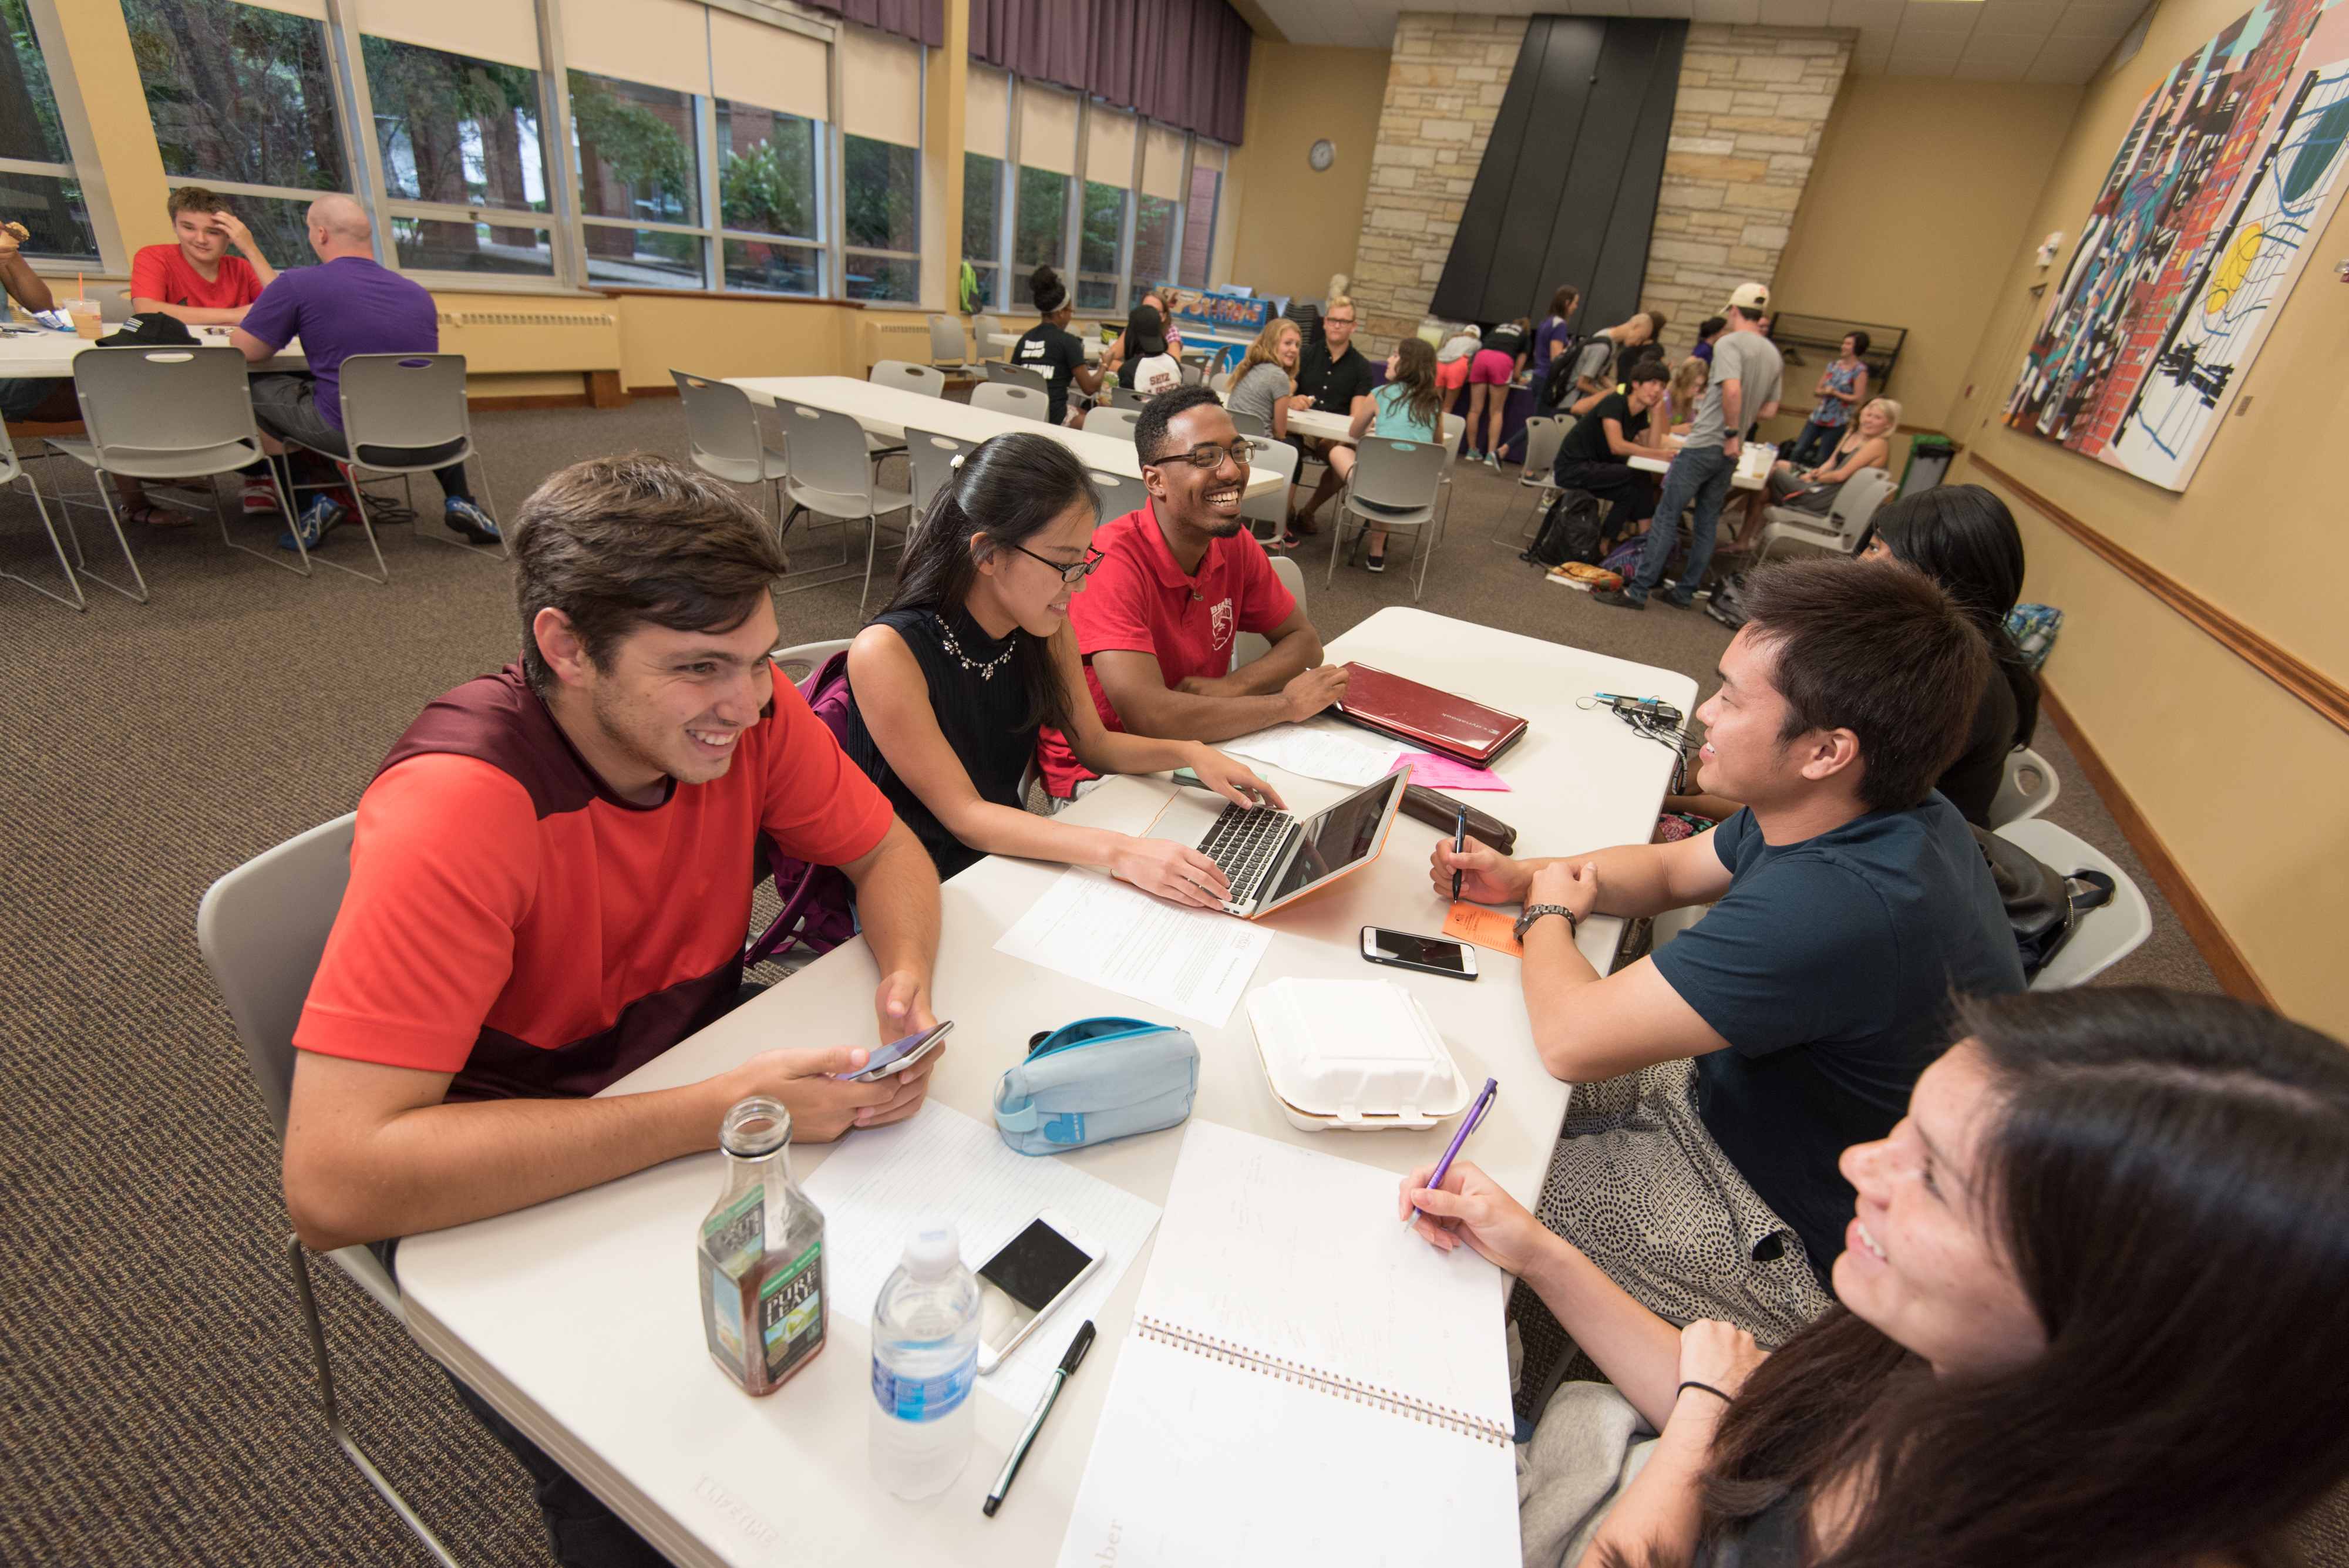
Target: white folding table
[(890, 412), (44, 352), (579, 1318)]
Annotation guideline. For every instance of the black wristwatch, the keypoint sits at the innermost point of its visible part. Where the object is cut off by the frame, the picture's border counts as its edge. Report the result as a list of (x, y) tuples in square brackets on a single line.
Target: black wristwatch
[(1535, 911)]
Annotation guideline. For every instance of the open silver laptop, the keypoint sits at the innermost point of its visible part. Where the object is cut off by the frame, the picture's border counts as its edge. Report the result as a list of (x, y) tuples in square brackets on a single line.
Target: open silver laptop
[(1273, 857)]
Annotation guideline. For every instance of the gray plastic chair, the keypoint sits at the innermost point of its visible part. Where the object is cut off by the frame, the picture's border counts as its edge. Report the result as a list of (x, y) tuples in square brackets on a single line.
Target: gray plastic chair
[(2028, 787), (982, 328), (1841, 529), (406, 414), (1249, 646), (1014, 375), (113, 302), (262, 929), (929, 464), (1114, 422), (926, 379), (1125, 397), (1251, 425), (1008, 398), (804, 659), (165, 413), (1543, 436), (1272, 508), (1394, 484), (1119, 495), (2104, 935), (949, 351), (11, 470), (722, 435), (828, 474)]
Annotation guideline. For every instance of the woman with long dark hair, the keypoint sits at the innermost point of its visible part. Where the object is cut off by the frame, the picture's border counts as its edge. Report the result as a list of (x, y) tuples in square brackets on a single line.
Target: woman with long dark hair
[(974, 654), (1965, 538), (2088, 1314)]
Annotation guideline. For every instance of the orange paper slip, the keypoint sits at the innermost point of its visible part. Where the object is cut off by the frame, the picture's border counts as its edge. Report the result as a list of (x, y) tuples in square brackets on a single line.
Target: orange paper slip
[(1486, 928)]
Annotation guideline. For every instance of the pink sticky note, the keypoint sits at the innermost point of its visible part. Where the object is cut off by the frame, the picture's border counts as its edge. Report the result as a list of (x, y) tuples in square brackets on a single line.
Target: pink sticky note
[(1443, 772)]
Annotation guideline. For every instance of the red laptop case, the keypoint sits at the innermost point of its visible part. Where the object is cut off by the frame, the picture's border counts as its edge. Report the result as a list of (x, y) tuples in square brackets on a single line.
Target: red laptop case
[(1435, 720)]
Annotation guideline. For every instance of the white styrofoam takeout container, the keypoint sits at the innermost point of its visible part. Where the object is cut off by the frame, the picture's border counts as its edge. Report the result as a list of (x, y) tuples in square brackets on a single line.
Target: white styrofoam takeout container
[(1404, 1081)]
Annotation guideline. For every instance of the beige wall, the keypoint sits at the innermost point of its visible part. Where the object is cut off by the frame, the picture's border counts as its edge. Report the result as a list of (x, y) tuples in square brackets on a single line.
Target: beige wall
[(1921, 200), (1292, 227), (2243, 781)]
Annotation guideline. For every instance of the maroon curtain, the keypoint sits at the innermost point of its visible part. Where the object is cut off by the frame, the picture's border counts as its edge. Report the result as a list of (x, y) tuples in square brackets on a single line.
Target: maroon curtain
[(924, 21), (1181, 62)]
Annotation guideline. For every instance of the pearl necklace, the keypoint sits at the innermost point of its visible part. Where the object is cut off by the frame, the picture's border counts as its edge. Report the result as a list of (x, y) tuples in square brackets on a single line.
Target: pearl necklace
[(987, 671)]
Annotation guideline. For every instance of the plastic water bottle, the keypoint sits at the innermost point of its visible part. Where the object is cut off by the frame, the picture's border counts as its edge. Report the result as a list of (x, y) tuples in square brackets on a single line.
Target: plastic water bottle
[(924, 1366)]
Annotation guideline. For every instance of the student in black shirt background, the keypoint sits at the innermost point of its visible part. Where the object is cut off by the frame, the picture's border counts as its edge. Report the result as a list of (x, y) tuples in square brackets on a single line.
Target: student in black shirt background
[(1050, 348), (1334, 374), (1596, 454)]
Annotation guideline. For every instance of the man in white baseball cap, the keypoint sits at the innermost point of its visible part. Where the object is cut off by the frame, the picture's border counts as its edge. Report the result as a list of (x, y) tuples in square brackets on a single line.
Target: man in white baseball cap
[(1746, 374)]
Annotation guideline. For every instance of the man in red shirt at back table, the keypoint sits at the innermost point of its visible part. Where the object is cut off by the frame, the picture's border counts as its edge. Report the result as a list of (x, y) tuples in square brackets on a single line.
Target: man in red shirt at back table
[(550, 886), (199, 282), (1178, 580)]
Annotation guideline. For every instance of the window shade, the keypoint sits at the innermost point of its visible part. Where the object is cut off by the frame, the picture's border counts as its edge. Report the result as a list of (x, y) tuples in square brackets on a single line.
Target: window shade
[(750, 62), (880, 86), (1109, 146), (505, 31), (1205, 154), (1162, 163), (660, 43), (987, 111), (1048, 127), (314, 9)]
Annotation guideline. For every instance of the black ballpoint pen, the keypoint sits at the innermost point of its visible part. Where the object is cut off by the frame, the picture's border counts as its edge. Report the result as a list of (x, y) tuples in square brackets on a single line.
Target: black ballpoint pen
[(1459, 846), (1061, 1375)]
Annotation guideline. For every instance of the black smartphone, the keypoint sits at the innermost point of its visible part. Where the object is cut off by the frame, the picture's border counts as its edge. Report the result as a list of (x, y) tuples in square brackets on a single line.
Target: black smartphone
[(1429, 955)]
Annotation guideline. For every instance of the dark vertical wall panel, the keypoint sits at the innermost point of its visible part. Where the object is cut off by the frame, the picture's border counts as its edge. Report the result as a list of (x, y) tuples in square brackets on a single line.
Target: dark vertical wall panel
[(1566, 190)]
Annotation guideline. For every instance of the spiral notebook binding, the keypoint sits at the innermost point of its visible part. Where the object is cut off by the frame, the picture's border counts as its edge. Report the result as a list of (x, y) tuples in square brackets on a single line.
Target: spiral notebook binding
[(1330, 1383)]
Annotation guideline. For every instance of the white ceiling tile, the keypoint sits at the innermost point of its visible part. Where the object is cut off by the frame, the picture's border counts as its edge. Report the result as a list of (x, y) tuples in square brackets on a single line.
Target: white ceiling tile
[(1864, 13), (1903, 64), (1970, 70), (1933, 16), (2001, 48), (1593, 8), (2035, 16), (1679, 8), (1738, 13), (1794, 13), (2106, 26)]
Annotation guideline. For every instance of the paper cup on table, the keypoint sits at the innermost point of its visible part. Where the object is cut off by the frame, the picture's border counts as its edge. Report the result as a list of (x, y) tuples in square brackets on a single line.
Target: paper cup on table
[(84, 313)]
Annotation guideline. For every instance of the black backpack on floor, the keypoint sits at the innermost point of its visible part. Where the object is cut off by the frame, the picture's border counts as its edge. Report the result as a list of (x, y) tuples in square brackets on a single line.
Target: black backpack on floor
[(1569, 530)]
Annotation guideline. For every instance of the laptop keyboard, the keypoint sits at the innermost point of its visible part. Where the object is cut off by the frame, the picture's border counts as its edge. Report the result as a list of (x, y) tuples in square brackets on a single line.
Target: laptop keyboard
[(1245, 843)]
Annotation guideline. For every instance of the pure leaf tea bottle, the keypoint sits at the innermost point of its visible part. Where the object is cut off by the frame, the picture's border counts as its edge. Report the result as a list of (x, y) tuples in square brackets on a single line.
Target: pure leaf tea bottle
[(763, 1304)]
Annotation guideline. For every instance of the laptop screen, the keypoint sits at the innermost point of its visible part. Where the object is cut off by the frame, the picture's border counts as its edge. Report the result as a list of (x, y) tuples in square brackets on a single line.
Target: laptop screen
[(1336, 838)]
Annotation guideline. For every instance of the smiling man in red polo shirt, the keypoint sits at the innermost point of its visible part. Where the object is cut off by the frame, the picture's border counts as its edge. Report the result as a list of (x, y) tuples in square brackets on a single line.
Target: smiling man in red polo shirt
[(1178, 580)]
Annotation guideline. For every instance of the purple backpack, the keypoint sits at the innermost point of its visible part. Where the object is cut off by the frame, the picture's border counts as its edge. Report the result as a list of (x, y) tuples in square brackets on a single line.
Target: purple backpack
[(815, 912)]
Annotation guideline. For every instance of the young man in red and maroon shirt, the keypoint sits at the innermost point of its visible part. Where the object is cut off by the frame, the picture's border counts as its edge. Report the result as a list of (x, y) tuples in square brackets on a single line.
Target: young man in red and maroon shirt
[(550, 887), (551, 882), (1178, 581)]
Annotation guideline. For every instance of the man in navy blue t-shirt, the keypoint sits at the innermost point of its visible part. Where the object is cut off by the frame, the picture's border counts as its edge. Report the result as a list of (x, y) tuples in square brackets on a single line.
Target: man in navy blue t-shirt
[(1849, 902), (348, 304)]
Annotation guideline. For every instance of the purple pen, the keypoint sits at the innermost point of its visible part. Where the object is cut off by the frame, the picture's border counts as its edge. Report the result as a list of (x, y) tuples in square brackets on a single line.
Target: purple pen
[(1469, 1124)]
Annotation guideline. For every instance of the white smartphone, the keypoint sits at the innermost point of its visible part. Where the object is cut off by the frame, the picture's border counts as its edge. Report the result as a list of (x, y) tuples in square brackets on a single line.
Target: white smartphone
[(1429, 955), (897, 1055), (1019, 1286)]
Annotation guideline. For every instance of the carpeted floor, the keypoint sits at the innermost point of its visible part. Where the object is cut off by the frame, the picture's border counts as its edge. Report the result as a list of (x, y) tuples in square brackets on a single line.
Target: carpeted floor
[(156, 1405)]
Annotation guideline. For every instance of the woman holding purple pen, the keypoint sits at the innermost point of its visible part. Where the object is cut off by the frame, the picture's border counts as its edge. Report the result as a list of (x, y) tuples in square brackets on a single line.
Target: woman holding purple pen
[(2088, 1310)]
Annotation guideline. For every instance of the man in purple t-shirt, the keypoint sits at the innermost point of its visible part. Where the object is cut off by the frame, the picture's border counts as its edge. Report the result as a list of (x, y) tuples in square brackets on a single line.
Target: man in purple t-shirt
[(347, 306)]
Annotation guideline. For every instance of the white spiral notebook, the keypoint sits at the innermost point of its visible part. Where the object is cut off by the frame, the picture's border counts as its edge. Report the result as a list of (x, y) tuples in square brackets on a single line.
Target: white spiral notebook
[(1307, 1380)]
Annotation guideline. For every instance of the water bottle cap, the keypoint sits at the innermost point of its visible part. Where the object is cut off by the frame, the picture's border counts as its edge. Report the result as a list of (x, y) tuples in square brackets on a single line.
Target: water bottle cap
[(933, 1254)]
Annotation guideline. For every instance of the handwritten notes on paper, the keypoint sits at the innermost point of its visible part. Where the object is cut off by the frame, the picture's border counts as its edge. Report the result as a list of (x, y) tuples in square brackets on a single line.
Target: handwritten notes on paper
[(1317, 753), (1092, 928), (1485, 928)]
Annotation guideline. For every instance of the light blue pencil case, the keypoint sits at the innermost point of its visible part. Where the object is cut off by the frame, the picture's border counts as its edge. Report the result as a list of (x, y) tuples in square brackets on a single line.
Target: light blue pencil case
[(1094, 1080)]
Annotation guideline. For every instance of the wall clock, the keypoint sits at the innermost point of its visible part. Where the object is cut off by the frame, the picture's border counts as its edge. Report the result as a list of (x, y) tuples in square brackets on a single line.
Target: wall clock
[(1324, 154)]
